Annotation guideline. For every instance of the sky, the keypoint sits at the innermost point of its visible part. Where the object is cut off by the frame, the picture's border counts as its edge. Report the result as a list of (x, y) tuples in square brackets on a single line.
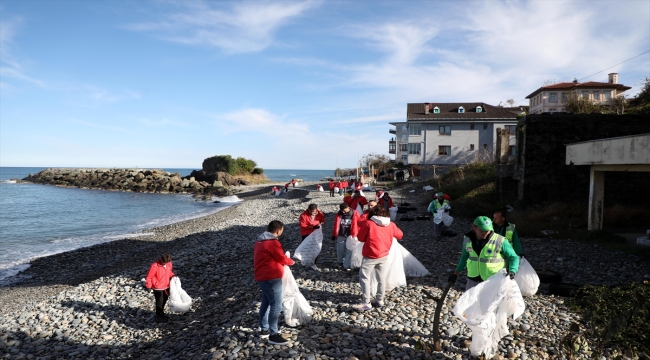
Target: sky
[(290, 85)]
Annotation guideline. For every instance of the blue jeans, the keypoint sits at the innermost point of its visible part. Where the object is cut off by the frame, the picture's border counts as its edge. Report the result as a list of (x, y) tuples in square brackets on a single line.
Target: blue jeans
[(343, 255), (271, 304)]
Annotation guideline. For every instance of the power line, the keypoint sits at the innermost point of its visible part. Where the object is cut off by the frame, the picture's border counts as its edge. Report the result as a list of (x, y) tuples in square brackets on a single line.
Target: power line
[(614, 65)]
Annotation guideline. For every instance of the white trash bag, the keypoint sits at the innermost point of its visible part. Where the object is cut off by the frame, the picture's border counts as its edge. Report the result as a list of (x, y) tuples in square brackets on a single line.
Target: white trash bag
[(310, 248), (412, 266), (278, 192), (393, 213), (295, 307), (179, 301), (351, 243), (527, 278), (357, 257), (485, 309), (447, 219), (396, 275), (336, 189)]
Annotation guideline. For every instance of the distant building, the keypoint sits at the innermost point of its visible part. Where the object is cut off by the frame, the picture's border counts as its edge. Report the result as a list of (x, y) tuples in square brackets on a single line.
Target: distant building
[(551, 98), (450, 133)]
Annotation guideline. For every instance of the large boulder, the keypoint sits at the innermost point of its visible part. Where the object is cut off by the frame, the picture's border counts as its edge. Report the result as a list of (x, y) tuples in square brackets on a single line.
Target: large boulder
[(225, 178)]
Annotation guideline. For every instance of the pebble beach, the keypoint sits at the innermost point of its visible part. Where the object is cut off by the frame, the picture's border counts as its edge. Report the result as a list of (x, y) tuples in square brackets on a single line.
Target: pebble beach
[(91, 303)]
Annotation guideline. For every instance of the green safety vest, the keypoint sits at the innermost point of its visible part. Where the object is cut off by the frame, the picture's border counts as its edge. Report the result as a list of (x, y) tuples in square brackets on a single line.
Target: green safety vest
[(510, 229), (489, 262), (437, 205)]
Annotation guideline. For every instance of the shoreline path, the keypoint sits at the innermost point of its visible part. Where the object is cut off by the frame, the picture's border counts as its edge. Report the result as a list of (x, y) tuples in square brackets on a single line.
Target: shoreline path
[(91, 303)]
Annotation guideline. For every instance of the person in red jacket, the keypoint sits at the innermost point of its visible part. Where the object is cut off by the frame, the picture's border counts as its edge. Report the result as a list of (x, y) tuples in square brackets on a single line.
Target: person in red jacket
[(358, 185), (332, 185), (293, 182), (310, 220), (286, 187), (345, 225), (359, 200), (160, 272), (386, 201), (377, 235), (268, 264)]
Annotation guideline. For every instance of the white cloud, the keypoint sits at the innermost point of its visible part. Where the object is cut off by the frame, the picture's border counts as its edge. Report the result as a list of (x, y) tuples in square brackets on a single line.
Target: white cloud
[(245, 27), (10, 66)]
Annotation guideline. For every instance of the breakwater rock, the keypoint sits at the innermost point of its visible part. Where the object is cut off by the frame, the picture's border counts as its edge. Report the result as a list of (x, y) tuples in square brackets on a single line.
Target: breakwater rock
[(138, 180)]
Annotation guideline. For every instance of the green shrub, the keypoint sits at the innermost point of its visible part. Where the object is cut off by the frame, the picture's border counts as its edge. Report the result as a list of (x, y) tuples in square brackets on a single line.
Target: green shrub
[(257, 171), (223, 163), (245, 166)]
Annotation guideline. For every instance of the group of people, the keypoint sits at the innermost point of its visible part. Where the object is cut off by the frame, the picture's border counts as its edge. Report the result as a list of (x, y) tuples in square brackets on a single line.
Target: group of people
[(339, 186), (492, 245)]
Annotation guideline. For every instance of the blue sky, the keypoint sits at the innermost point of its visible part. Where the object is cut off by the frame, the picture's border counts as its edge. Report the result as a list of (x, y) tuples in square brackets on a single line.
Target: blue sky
[(306, 85)]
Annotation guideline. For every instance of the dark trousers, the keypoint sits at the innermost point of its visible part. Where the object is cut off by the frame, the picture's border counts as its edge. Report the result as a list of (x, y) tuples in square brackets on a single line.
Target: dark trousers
[(161, 299), (331, 192)]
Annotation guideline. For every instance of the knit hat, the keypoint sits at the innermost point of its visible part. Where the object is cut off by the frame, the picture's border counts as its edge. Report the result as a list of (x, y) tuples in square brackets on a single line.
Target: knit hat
[(440, 194), (483, 223)]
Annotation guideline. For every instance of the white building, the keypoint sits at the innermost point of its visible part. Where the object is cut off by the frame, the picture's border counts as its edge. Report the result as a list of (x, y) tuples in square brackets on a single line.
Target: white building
[(450, 133), (551, 98)]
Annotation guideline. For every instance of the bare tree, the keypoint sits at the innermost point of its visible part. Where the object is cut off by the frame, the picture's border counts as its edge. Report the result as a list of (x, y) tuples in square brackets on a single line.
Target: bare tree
[(619, 104), (577, 104), (510, 102), (549, 82)]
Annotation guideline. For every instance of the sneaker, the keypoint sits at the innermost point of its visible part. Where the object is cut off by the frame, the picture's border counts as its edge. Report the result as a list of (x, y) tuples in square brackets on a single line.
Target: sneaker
[(277, 339), (314, 267), (377, 304), (362, 307), (264, 333)]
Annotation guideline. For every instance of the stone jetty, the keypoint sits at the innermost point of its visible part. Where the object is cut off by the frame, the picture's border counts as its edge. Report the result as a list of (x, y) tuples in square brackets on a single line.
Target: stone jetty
[(137, 180)]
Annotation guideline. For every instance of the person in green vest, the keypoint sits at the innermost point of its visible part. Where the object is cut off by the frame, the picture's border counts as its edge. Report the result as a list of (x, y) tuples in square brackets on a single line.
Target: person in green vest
[(484, 254), (439, 203), (507, 229)]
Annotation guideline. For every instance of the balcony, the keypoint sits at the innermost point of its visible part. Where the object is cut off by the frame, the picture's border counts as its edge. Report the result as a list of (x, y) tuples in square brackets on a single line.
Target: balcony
[(391, 147), (392, 131)]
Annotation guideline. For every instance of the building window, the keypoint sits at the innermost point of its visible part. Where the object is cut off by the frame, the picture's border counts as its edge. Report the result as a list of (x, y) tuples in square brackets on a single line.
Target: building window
[(444, 150), (405, 159), (511, 129), (608, 95), (414, 149), (485, 147), (471, 126), (513, 150), (485, 126), (479, 109), (585, 95), (563, 97), (552, 97), (436, 110), (444, 129), (415, 129), (403, 147), (471, 147), (461, 110), (596, 96)]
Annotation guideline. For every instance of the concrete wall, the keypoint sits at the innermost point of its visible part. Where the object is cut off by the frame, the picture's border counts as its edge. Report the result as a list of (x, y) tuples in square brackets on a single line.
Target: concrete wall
[(546, 178), (614, 151)]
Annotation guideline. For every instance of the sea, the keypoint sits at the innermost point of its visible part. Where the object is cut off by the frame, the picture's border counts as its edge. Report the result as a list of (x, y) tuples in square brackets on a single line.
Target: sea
[(41, 220)]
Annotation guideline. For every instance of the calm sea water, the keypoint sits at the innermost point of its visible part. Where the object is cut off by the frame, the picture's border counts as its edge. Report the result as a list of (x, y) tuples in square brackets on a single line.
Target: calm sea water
[(305, 175), (40, 220)]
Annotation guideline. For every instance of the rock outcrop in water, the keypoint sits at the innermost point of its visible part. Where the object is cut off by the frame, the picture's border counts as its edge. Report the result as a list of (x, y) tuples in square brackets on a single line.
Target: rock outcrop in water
[(137, 180)]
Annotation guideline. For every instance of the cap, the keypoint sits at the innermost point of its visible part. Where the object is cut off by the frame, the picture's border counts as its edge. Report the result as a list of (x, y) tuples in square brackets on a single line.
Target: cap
[(484, 223)]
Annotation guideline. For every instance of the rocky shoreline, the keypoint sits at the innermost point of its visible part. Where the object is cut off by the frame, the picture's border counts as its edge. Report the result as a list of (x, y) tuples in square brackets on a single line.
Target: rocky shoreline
[(91, 304)]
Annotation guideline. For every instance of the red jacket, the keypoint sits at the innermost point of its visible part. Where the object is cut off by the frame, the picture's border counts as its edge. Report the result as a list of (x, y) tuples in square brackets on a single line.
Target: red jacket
[(377, 234), (358, 200), (354, 226), (358, 186), (331, 185), (381, 202), (159, 275), (345, 184), (269, 258), (306, 222)]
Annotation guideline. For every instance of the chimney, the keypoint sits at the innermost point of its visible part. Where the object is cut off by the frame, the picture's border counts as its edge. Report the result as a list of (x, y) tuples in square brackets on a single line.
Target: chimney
[(575, 80), (613, 78), (426, 108)]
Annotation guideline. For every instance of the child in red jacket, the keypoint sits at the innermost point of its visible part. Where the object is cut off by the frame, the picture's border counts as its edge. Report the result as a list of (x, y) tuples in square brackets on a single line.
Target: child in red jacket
[(160, 272), (268, 263)]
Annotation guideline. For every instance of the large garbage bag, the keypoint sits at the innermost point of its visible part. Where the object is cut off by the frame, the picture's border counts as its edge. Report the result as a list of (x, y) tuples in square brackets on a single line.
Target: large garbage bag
[(447, 219), (295, 307), (179, 301), (527, 278), (336, 189), (412, 267), (485, 309), (443, 217), (310, 248), (351, 243), (278, 192), (393, 213), (357, 257)]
